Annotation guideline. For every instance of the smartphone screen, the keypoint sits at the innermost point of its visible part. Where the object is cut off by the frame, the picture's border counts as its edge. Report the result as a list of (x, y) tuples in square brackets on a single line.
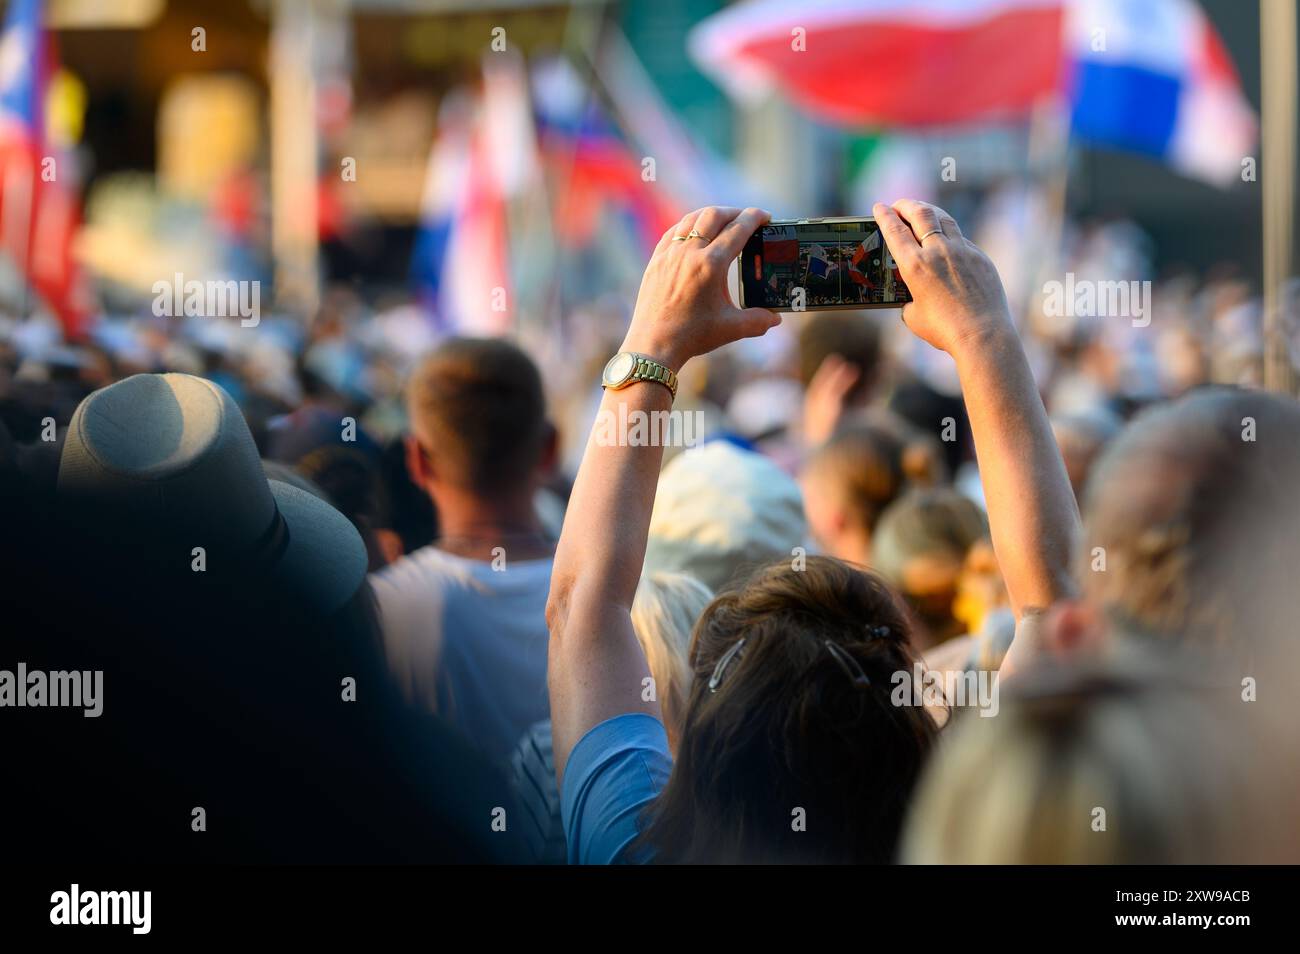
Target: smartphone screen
[(820, 264)]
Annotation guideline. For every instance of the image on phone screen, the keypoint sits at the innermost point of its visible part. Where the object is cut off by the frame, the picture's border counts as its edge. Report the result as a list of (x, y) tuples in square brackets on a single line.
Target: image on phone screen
[(820, 264)]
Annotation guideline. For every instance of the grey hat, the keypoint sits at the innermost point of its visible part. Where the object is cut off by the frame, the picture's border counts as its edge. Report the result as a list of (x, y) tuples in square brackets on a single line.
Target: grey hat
[(172, 454)]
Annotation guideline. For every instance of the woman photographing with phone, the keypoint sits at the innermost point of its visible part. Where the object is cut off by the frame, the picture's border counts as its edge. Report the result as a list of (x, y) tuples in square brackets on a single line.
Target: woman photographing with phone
[(791, 749)]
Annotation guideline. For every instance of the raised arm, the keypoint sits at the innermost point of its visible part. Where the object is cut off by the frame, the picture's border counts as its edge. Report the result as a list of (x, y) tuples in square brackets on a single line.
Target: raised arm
[(596, 666), (959, 307)]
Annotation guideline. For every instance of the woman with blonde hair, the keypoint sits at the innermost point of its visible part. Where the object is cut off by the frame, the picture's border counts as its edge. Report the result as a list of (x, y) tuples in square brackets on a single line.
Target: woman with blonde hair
[(664, 613), (1112, 762)]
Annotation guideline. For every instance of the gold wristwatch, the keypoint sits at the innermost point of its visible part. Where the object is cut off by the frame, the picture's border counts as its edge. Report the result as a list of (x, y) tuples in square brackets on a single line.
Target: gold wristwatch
[(628, 367)]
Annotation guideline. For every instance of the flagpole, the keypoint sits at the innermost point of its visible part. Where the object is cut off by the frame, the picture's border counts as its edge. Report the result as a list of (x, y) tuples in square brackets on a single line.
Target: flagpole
[(1049, 169), (295, 35), (1277, 67), (22, 193)]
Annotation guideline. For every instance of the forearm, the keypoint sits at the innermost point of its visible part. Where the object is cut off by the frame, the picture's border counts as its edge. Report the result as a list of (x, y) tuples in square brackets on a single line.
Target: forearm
[(603, 541), (595, 668), (959, 307), (1033, 518), (595, 665)]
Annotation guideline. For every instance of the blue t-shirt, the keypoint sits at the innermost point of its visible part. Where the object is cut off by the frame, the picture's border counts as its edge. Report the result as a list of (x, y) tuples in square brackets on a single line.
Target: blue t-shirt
[(614, 772)]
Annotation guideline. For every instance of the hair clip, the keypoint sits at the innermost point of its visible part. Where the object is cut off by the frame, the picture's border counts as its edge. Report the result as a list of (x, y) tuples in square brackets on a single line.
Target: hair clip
[(878, 632), (852, 668), (725, 661)]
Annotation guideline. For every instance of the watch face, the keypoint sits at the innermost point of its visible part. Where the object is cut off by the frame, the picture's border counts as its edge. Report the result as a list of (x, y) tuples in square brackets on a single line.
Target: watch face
[(619, 369)]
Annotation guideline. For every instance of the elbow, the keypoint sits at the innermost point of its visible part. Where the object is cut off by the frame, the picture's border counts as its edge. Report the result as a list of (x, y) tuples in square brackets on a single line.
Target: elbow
[(1052, 585), (557, 604)]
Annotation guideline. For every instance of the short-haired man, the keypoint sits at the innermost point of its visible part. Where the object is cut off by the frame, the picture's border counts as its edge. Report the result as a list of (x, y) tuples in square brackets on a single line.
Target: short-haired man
[(464, 618)]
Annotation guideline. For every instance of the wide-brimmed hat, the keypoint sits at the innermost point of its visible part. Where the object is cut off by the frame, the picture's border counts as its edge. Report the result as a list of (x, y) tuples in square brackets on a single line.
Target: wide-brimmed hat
[(171, 456)]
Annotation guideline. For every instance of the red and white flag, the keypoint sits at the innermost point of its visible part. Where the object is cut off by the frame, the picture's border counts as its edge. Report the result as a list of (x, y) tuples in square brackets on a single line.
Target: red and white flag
[(39, 209), (888, 62), (485, 157)]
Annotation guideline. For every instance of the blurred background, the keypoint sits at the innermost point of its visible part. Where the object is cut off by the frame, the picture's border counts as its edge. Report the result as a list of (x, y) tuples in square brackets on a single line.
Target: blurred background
[(393, 171)]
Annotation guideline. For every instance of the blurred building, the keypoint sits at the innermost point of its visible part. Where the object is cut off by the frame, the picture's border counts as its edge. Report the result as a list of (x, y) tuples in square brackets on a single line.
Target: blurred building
[(202, 159)]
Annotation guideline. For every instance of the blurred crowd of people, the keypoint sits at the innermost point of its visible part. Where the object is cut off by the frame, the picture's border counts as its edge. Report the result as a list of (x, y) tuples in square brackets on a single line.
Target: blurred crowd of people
[(356, 668)]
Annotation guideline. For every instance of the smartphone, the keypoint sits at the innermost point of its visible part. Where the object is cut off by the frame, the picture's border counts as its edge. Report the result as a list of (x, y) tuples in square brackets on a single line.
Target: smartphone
[(819, 265)]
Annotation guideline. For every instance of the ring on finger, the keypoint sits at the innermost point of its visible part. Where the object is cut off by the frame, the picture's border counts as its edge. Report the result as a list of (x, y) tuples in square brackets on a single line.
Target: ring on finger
[(695, 233), (680, 238), (928, 234)]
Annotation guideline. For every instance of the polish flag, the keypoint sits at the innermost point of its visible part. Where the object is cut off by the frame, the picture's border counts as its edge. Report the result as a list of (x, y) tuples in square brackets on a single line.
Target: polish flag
[(888, 62)]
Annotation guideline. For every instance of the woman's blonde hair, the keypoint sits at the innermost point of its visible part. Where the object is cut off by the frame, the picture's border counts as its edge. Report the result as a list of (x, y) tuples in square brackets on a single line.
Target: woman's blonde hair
[(1090, 766), (664, 613)]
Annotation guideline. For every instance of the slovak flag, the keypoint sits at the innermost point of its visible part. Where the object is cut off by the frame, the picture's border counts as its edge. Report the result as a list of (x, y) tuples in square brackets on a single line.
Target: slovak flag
[(445, 178), (594, 169), (819, 262), (1153, 77), (485, 155), (38, 209)]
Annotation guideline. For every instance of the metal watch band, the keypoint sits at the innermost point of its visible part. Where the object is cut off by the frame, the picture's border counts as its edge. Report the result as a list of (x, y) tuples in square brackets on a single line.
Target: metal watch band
[(648, 369)]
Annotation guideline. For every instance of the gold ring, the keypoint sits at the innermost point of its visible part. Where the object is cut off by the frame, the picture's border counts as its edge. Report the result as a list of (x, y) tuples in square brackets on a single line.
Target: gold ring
[(929, 233), (694, 234), (680, 238)]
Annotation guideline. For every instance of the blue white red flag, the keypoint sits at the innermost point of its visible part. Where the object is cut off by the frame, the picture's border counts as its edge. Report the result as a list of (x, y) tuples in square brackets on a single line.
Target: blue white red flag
[(38, 207)]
